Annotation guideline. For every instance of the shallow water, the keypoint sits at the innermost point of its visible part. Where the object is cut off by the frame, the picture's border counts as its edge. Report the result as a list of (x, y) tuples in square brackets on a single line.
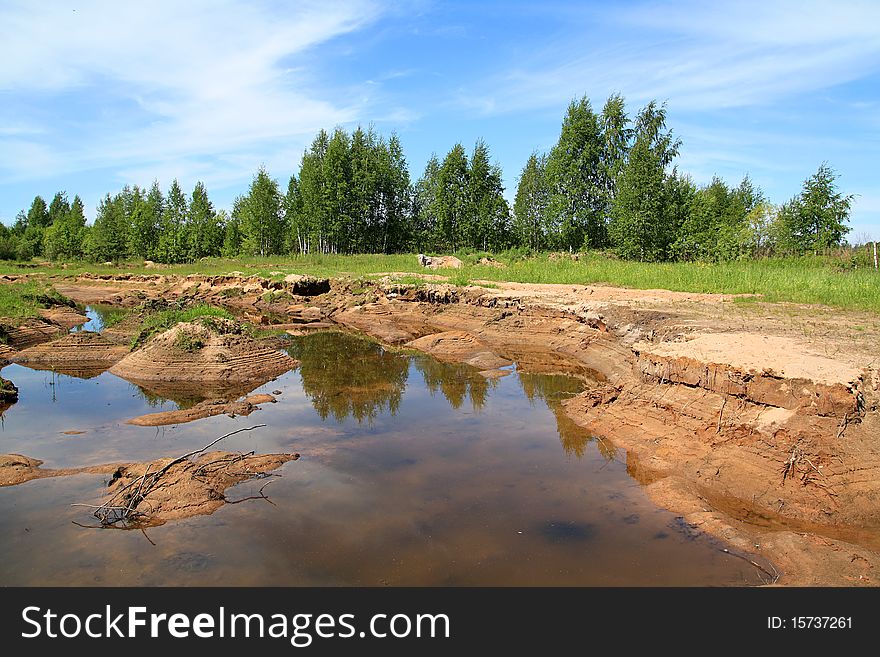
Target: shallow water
[(97, 314), (412, 472)]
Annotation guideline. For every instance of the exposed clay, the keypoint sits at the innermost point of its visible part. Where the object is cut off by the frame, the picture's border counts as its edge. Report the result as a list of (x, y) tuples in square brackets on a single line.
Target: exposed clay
[(738, 364), (306, 285), (207, 408), (82, 354), (789, 445), (211, 352)]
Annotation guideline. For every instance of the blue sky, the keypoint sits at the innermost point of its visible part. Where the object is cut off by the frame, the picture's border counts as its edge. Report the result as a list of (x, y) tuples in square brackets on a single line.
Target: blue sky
[(94, 95)]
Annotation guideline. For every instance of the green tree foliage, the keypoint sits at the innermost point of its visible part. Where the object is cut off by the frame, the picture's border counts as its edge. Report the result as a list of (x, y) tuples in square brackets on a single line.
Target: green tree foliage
[(38, 214), (8, 243), (487, 220), (452, 203), (352, 195), (145, 222), (292, 206), (203, 234), (530, 206), (616, 139), (312, 221), (763, 230), (172, 243), (261, 218), (816, 219), (576, 211), (607, 182), (29, 229), (395, 198), (425, 228), (338, 193), (231, 234), (713, 228), (64, 239), (58, 208), (107, 238), (643, 223)]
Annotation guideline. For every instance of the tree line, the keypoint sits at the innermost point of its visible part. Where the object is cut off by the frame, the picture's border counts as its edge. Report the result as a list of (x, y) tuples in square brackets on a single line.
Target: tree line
[(609, 182)]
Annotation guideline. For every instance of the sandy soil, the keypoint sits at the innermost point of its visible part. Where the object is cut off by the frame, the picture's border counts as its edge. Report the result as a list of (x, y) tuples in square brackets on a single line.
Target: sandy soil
[(211, 352), (64, 316)]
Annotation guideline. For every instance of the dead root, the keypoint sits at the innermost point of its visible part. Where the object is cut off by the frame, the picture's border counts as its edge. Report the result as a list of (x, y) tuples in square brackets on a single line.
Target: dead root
[(796, 458)]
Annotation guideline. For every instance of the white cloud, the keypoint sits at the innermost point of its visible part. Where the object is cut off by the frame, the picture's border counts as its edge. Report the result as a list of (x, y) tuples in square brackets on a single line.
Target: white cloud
[(705, 56), (162, 84)]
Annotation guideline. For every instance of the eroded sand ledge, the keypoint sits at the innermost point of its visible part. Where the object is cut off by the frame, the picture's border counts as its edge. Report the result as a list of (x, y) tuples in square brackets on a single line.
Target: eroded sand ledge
[(190, 487), (214, 353), (753, 431)]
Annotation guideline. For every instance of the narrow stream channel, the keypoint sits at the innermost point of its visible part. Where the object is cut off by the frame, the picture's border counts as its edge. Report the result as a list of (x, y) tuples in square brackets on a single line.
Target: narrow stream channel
[(413, 472)]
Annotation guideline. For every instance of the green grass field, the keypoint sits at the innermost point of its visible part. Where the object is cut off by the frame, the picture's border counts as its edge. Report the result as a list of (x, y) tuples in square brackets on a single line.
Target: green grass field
[(798, 280), (22, 299)]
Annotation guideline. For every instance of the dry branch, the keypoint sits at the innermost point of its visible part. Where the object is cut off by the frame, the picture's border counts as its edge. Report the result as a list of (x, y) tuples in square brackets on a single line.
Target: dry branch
[(123, 506)]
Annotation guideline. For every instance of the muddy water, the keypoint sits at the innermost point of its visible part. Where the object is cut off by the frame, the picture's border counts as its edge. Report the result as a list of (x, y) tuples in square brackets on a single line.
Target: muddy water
[(412, 472)]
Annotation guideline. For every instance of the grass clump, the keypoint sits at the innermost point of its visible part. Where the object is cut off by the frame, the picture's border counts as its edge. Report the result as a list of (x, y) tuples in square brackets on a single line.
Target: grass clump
[(113, 316), (23, 299), (162, 320), (188, 343), (459, 278), (274, 296)]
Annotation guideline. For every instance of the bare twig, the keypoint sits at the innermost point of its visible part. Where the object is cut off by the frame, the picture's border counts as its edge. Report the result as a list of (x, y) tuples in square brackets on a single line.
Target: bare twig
[(258, 496), (206, 447), (144, 532), (123, 508)]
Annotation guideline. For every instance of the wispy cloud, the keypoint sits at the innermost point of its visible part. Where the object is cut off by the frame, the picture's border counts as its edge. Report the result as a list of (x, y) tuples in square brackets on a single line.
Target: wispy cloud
[(704, 55), (164, 85)]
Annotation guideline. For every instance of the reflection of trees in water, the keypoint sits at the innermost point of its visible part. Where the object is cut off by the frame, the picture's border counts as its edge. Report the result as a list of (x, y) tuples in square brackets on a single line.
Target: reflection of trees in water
[(183, 398), (552, 389), (346, 375), (549, 387), (457, 382)]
